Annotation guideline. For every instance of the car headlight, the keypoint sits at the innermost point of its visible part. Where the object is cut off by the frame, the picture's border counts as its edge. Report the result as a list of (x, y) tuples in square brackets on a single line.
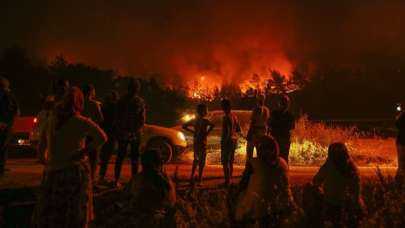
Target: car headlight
[(181, 136)]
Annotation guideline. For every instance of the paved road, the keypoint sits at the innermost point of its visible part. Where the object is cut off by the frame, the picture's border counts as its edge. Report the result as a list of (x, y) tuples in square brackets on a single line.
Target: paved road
[(28, 173)]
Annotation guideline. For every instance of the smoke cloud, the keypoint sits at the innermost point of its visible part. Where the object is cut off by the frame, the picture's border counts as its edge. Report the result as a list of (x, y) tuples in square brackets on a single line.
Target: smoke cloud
[(226, 41)]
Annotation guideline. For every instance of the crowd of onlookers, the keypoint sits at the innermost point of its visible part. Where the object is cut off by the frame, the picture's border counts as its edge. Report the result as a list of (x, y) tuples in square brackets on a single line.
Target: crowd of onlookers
[(77, 131)]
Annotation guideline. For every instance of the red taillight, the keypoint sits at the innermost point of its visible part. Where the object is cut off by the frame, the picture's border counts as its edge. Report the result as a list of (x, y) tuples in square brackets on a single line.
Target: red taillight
[(35, 120)]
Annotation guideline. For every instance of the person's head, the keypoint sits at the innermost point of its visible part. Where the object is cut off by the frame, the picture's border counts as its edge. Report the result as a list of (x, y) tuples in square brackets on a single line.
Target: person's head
[(48, 103), (226, 105), (338, 154), (202, 110), (113, 97), (151, 160), (89, 91), (268, 150), (61, 87), (284, 103), (134, 87), (260, 99), (4, 85), (72, 104)]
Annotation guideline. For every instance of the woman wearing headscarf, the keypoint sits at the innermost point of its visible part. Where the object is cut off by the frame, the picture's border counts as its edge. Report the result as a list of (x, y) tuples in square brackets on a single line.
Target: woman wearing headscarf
[(66, 197)]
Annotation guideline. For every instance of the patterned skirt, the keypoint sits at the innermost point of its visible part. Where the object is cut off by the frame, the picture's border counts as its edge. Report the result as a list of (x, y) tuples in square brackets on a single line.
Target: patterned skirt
[(66, 198)]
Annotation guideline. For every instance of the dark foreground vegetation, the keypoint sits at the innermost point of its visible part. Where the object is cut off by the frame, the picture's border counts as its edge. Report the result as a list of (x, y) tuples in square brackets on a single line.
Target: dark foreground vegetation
[(210, 207)]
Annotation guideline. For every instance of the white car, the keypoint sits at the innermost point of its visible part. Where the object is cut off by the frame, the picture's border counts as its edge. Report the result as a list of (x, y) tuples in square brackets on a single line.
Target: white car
[(170, 141)]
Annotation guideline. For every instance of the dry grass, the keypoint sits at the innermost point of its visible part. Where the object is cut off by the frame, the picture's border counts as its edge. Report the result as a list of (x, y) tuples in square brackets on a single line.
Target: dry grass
[(310, 142), (384, 199)]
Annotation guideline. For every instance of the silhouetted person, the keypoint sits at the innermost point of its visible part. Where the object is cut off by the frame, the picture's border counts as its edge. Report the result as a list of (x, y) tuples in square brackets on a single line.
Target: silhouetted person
[(42, 119), (130, 122), (109, 126), (60, 89), (152, 190), (92, 107), (340, 181), (258, 125), (92, 110), (400, 142), (265, 192), (280, 125), (8, 112), (66, 195), (229, 139), (200, 127)]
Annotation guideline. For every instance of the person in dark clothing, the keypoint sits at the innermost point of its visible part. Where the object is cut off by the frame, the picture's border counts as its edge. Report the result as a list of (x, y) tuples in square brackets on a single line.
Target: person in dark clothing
[(229, 138), (200, 127), (60, 89), (109, 112), (400, 141), (258, 126), (8, 111), (92, 110), (281, 123), (340, 182), (130, 122)]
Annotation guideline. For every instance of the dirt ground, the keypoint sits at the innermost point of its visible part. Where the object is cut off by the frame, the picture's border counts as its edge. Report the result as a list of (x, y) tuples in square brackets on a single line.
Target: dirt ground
[(28, 173)]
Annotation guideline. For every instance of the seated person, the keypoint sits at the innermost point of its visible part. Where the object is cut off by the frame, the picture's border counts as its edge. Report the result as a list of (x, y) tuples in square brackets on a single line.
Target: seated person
[(265, 193), (152, 190), (339, 179)]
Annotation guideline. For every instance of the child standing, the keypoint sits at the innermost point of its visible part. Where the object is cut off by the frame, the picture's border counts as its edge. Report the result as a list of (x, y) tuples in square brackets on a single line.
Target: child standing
[(229, 138), (200, 127)]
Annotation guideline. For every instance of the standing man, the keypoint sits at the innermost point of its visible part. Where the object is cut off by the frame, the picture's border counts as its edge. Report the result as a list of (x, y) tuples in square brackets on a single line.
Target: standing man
[(200, 127), (229, 139), (258, 126), (280, 125), (130, 123), (92, 110), (110, 113), (8, 111)]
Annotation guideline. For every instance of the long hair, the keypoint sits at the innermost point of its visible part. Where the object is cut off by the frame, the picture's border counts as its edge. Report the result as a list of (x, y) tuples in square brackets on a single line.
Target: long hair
[(268, 149), (338, 155), (71, 105)]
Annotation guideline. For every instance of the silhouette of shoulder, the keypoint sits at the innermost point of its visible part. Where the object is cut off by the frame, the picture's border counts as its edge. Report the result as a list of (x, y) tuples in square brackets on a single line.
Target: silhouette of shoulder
[(283, 165)]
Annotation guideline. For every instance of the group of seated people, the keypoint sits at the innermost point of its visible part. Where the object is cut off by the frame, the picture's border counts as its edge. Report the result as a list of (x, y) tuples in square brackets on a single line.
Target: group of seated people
[(264, 196)]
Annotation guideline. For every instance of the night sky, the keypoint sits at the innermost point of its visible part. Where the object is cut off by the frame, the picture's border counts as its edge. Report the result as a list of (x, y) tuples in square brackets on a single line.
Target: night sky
[(229, 39)]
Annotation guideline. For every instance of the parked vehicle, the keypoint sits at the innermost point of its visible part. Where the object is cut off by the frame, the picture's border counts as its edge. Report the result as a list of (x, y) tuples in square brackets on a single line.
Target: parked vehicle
[(170, 141)]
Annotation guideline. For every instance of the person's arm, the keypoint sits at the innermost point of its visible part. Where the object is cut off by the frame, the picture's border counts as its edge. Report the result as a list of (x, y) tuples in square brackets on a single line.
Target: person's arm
[(100, 115), (96, 133), (43, 135), (143, 114), (187, 126), (210, 127)]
